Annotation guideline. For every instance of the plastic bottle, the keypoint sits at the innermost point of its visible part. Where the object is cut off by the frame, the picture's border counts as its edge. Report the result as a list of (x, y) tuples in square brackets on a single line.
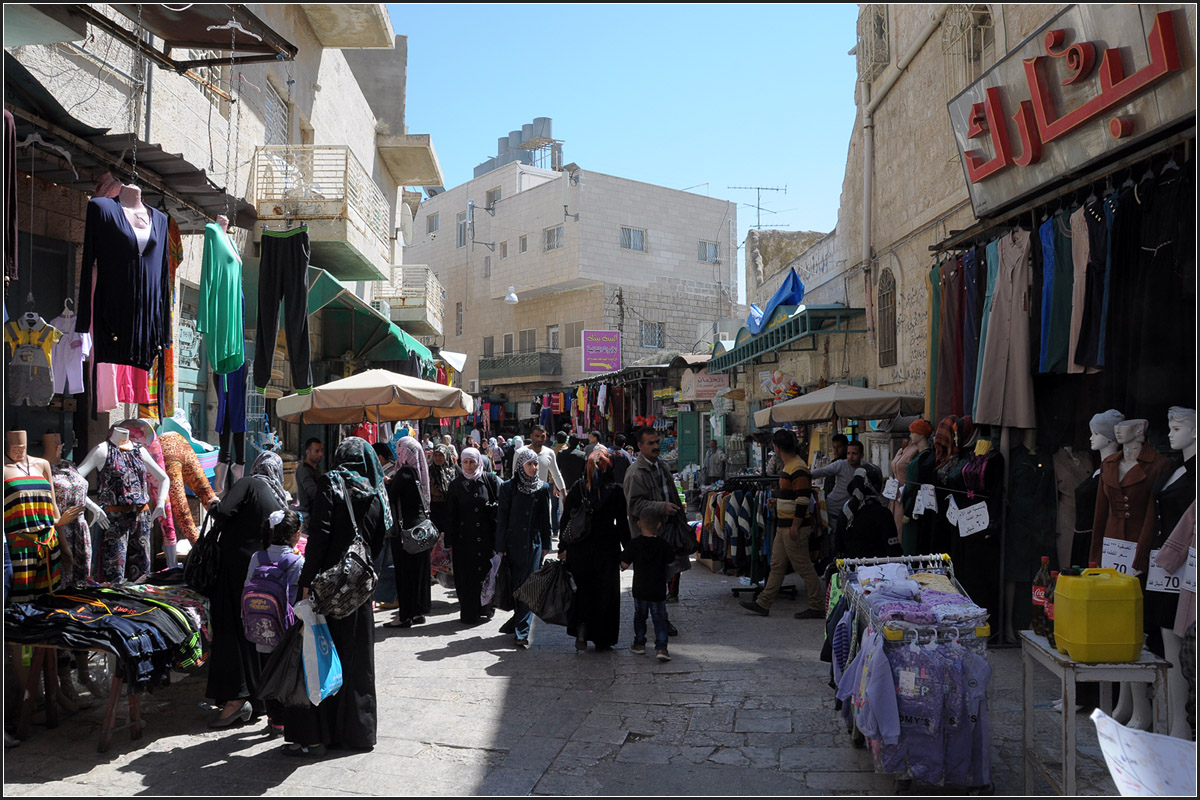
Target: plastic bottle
[(1050, 608), (1040, 582)]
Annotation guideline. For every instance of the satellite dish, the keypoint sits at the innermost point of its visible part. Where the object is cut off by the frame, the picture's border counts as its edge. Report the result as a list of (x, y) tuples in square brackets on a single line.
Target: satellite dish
[(406, 223)]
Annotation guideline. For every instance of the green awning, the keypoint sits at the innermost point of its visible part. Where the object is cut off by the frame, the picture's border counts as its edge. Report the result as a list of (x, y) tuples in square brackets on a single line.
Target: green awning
[(352, 325)]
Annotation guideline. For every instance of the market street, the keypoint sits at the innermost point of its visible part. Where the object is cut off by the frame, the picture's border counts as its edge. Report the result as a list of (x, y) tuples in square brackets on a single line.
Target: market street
[(741, 709)]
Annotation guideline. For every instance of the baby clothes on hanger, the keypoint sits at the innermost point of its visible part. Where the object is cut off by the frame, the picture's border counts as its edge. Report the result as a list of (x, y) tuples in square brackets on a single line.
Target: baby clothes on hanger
[(30, 376), (68, 356)]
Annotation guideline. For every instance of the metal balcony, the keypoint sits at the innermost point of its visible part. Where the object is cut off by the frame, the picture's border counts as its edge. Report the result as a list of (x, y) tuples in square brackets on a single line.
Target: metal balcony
[(325, 187), (416, 298), (534, 365)]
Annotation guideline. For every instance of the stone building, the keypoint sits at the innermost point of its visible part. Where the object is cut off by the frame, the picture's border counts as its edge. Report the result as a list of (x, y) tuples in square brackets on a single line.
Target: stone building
[(580, 250)]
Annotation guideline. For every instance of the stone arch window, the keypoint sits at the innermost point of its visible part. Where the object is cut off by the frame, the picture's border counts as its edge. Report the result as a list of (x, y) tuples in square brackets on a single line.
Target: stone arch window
[(886, 310), (968, 45)]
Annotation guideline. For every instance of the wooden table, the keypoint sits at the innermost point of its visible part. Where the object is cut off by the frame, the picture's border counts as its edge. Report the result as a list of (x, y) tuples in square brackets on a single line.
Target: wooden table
[(44, 664), (1036, 650)]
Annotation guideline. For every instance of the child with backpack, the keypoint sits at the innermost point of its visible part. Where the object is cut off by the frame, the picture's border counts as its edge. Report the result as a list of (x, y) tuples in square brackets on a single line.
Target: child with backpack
[(270, 592)]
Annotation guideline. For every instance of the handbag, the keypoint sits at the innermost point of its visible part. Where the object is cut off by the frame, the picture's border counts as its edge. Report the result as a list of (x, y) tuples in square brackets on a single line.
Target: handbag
[(578, 527), (503, 598), (549, 593), (342, 589), (203, 563), (679, 534), (420, 538), (283, 675)]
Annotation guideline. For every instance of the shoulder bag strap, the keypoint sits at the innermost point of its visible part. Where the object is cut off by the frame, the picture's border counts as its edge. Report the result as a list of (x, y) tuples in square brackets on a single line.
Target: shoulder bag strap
[(349, 507)]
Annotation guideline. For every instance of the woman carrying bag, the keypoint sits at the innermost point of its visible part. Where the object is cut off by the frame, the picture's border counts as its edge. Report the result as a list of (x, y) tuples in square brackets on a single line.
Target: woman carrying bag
[(234, 666), (523, 532), (349, 503), (471, 534), (408, 498), (596, 503)]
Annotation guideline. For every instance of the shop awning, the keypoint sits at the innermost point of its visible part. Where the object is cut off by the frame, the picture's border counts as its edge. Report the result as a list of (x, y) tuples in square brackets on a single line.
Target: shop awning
[(790, 328), (197, 26), (353, 326), (75, 155)]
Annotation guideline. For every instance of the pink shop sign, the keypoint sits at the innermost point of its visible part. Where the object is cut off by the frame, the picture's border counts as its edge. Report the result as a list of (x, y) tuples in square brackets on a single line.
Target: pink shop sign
[(601, 351)]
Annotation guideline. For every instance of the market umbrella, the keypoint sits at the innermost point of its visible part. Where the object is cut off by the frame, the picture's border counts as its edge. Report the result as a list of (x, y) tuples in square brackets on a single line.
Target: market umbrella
[(839, 400), (375, 395)]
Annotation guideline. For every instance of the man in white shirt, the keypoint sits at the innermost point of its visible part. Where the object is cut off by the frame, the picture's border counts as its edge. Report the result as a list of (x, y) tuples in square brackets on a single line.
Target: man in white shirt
[(714, 464), (548, 471)]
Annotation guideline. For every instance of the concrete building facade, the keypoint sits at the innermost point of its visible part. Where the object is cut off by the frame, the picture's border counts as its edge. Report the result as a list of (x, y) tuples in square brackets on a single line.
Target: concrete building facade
[(581, 250)]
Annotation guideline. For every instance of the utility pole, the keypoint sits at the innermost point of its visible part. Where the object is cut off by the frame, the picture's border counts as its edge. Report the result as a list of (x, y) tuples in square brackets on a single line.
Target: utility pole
[(620, 312), (758, 203)]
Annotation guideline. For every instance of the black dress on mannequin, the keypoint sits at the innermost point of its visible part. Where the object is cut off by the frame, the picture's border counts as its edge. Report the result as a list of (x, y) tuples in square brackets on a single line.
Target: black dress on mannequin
[(1169, 504)]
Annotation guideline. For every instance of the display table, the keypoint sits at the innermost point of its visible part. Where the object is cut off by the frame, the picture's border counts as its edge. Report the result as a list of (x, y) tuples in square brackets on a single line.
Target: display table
[(44, 665), (1036, 649)]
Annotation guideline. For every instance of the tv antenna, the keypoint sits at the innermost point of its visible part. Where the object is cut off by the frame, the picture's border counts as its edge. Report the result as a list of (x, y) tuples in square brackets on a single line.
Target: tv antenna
[(758, 203)]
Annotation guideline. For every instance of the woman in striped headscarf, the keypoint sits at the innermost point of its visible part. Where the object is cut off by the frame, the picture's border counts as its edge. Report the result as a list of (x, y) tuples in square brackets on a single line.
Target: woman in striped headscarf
[(594, 554)]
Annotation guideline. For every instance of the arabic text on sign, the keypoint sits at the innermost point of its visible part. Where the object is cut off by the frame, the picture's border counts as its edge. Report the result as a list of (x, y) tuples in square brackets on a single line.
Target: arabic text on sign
[(973, 519), (1159, 580), (926, 500), (1118, 555), (891, 489), (952, 512), (1189, 575)]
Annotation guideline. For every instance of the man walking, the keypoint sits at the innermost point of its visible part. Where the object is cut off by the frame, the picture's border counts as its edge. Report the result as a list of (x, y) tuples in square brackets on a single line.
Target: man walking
[(548, 470), (841, 472), (714, 464), (307, 474), (571, 461), (793, 527), (650, 485)]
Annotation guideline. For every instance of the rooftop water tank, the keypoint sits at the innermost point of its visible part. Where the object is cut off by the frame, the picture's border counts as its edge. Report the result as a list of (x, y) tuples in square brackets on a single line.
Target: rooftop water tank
[(542, 128)]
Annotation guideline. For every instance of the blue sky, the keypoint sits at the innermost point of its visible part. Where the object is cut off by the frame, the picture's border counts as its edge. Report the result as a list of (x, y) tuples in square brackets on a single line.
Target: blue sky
[(674, 95)]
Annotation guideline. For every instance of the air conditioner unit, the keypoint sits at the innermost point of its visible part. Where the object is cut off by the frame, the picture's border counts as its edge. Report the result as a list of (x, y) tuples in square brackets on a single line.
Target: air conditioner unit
[(383, 307), (473, 386)]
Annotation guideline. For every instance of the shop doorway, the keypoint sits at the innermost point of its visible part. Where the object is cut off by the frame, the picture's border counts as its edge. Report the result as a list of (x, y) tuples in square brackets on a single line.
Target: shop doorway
[(191, 364)]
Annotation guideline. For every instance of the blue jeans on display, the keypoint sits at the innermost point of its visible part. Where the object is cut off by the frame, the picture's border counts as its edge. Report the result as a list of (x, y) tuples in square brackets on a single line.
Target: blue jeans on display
[(520, 571), (385, 591), (657, 609)]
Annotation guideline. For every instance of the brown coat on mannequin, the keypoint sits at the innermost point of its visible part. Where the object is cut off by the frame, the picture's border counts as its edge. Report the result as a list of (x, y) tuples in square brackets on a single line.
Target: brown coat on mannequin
[(1125, 508)]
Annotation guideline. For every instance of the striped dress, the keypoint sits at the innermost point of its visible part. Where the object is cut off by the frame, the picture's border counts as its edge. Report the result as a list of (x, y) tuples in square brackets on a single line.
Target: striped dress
[(32, 540)]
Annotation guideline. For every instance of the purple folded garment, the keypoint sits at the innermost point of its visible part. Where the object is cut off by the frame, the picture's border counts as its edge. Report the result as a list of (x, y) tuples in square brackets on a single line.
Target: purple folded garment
[(907, 612), (931, 597)]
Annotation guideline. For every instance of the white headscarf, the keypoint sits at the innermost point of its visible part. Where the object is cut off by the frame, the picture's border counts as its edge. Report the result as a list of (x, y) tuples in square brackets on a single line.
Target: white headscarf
[(475, 455)]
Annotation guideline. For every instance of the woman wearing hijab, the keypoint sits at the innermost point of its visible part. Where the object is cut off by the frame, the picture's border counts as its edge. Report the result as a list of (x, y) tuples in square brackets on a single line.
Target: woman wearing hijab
[(496, 455), (595, 560), (234, 668), (471, 533), (442, 472), (348, 718), (385, 565), (408, 494), (523, 532)]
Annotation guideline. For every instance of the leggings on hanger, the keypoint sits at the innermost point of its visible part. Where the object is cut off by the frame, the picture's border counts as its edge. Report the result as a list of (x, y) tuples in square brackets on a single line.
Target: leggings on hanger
[(231, 415), (283, 274)]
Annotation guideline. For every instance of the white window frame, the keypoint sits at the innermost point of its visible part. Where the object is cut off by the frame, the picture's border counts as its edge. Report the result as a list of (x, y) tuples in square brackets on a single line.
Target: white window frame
[(575, 334), (553, 338), (708, 252), (523, 244), (493, 196), (489, 346), (462, 229), (510, 343), (432, 222), (458, 319), (629, 239), (527, 340), (503, 250), (651, 332), (487, 266), (552, 238)]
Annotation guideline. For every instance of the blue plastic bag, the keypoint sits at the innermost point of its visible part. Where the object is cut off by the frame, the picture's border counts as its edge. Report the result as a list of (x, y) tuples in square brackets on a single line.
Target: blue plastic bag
[(322, 667)]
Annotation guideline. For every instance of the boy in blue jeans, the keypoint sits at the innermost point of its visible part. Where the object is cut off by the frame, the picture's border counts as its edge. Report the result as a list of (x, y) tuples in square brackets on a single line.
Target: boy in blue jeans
[(650, 557)]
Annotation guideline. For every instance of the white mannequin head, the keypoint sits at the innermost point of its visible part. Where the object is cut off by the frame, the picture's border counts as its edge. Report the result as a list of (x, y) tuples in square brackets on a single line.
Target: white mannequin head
[(1131, 431), (1181, 427), (1099, 441), (1103, 427)]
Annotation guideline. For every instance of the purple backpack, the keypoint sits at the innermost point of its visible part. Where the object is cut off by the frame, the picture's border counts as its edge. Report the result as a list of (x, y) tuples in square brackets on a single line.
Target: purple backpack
[(266, 610)]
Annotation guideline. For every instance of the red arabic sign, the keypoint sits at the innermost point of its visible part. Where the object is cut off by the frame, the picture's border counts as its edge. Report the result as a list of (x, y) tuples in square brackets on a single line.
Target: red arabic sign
[(1063, 67)]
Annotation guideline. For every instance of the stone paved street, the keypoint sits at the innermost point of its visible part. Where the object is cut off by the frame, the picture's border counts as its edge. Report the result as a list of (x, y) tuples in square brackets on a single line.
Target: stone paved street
[(742, 709)]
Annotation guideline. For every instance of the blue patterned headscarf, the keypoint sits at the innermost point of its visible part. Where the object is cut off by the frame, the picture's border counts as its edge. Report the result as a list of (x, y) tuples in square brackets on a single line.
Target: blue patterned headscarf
[(357, 471)]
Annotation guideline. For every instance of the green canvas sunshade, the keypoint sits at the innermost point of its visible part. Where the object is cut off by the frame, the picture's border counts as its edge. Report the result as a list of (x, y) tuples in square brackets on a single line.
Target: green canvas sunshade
[(352, 325)]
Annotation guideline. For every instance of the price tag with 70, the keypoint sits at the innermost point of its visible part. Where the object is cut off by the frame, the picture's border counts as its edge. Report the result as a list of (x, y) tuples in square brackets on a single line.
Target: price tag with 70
[(1118, 555), (1159, 580)]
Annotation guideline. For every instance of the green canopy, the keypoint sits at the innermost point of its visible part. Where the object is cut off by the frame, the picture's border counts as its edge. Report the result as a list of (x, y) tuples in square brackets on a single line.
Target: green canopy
[(351, 324)]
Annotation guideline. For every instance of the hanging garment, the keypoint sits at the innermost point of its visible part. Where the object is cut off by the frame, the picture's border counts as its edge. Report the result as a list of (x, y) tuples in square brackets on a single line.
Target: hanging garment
[(974, 277), (10, 197), (1031, 513), (992, 259), (1046, 236), (183, 469), (949, 396), (1005, 395), (30, 535), (220, 316), (70, 490), (133, 384), (934, 287), (1080, 254), (129, 315), (1058, 335), (231, 401), (1086, 350), (162, 376), (30, 366), (68, 356), (1173, 492), (1070, 470), (154, 448), (1110, 211), (283, 275)]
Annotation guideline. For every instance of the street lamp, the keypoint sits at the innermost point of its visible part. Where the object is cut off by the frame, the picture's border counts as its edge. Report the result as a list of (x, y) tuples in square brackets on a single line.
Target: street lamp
[(511, 297)]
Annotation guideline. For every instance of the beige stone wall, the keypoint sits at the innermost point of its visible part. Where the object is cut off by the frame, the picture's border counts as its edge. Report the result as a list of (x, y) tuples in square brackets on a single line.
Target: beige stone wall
[(768, 256)]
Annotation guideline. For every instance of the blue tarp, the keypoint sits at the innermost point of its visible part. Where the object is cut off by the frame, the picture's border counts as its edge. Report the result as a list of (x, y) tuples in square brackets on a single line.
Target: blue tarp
[(790, 293)]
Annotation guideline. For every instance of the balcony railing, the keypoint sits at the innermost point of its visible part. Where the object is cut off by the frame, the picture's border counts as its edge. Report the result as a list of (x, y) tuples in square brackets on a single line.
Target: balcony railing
[(313, 182), (532, 364), (415, 295)]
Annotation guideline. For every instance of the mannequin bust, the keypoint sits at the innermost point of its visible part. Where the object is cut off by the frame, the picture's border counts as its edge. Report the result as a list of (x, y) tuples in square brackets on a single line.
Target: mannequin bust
[(920, 442), (17, 461), (1132, 435), (1103, 445), (97, 458)]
